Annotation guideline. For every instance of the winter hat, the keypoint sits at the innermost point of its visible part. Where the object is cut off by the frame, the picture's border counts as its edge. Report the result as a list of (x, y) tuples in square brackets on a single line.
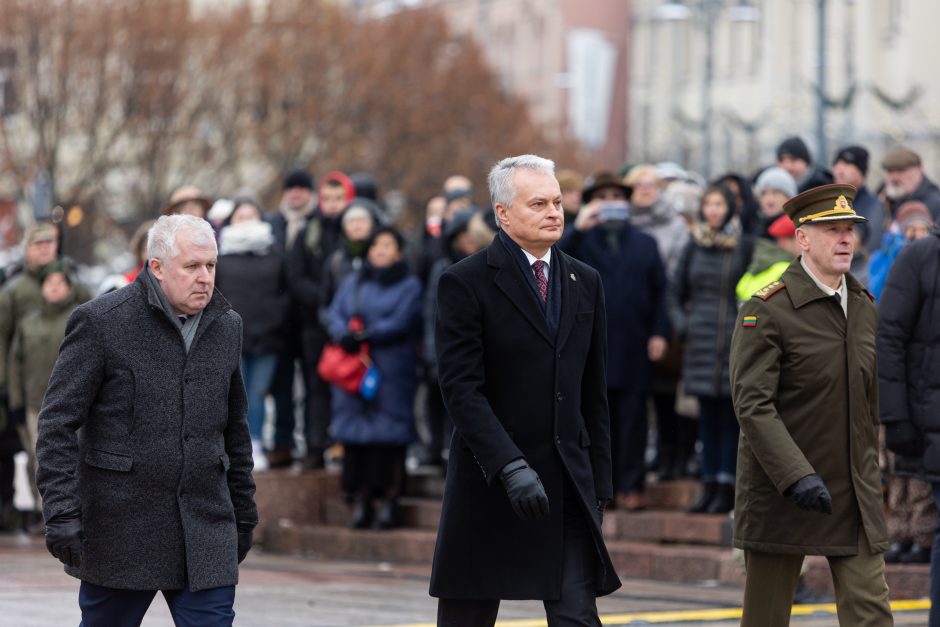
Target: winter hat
[(900, 158), (183, 195), (781, 228), (600, 180), (365, 185), (39, 232), (569, 181), (457, 194), (52, 268), (856, 155), (357, 212), (298, 178), (340, 178), (795, 147), (913, 211), (777, 178)]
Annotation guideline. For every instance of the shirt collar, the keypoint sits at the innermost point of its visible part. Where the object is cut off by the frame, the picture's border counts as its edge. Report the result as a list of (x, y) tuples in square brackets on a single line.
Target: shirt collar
[(547, 257), (828, 291)]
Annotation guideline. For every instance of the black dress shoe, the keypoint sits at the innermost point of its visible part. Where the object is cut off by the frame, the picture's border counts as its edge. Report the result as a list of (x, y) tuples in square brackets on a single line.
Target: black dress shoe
[(388, 517), (362, 514), (918, 554), (895, 551), (723, 501), (709, 491)]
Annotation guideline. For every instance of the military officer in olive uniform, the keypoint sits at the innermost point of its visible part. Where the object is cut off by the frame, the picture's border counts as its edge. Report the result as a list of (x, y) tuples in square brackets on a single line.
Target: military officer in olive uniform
[(804, 384)]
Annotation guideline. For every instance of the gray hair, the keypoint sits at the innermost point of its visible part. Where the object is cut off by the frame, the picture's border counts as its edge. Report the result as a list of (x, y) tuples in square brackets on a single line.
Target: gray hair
[(502, 190), (161, 239)]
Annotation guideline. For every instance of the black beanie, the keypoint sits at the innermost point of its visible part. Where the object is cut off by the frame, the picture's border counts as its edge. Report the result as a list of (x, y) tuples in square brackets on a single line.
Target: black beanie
[(794, 147), (298, 178), (856, 155)]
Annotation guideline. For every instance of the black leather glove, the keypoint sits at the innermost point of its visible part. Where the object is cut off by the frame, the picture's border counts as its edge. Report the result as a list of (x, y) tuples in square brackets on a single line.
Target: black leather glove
[(245, 540), (17, 416), (524, 489), (902, 438), (350, 343), (64, 538), (810, 494)]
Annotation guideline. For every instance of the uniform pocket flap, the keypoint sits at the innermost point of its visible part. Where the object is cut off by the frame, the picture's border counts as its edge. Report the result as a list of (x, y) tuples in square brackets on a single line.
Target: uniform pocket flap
[(226, 464), (585, 438), (108, 460)]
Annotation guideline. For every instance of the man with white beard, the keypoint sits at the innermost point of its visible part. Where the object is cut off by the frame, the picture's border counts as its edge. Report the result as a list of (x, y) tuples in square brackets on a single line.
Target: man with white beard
[(905, 180)]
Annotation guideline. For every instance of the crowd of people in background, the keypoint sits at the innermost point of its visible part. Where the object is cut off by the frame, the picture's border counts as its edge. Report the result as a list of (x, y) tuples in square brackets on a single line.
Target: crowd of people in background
[(677, 255)]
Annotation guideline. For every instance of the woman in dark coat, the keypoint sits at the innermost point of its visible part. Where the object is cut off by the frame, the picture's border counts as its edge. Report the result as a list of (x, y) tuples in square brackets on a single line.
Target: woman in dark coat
[(375, 433), (909, 371), (703, 308), (252, 276)]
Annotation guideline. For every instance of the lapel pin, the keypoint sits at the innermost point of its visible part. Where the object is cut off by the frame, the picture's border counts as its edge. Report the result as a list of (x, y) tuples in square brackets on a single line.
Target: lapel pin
[(573, 277)]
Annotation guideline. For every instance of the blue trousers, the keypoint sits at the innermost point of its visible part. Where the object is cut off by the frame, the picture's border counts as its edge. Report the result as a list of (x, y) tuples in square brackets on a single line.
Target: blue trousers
[(718, 430), (258, 372), (111, 607)]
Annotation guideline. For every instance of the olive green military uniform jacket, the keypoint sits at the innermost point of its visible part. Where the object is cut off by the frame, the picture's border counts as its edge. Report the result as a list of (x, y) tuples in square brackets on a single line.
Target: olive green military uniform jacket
[(804, 383)]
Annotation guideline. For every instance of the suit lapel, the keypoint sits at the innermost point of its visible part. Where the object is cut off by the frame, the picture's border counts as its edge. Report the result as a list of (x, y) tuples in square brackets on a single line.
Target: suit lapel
[(510, 281), (569, 297)]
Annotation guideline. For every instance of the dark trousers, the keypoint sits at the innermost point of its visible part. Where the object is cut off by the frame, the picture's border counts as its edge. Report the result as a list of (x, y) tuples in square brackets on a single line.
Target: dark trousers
[(10, 445), (318, 410), (628, 426), (373, 470), (718, 430), (675, 434), (110, 607), (577, 606)]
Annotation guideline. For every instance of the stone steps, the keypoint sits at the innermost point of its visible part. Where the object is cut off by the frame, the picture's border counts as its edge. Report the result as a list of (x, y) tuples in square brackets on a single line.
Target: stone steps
[(305, 514)]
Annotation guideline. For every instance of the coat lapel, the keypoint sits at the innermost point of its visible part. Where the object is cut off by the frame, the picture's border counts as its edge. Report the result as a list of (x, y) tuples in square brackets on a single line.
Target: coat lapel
[(510, 281), (569, 297)]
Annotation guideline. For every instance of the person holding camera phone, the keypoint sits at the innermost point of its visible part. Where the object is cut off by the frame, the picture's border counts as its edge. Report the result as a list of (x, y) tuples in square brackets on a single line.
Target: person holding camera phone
[(634, 280)]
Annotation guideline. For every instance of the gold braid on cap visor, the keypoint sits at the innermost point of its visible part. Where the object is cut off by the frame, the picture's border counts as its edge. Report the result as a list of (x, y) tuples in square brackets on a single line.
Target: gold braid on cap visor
[(842, 207)]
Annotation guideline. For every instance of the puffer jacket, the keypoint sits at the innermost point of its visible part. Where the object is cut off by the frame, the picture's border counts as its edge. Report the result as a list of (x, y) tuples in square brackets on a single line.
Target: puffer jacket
[(909, 351)]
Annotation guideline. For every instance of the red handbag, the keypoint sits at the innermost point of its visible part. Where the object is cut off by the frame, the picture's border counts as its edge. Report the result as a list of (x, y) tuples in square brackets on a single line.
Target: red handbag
[(342, 369)]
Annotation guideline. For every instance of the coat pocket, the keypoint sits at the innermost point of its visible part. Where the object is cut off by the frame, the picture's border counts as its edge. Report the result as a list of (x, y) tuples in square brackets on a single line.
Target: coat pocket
[(108, 460), (584, 316)]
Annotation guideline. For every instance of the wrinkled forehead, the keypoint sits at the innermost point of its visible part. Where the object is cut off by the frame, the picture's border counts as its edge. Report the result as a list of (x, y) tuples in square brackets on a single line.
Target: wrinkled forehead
[(530, 184)]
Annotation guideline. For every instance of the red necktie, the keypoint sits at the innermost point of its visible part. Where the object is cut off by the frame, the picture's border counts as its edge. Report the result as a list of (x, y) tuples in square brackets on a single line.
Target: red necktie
[(538, 267)]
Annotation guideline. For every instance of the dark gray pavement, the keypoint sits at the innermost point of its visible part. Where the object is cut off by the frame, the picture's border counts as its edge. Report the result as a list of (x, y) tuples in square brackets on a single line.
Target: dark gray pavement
[(286, 591)]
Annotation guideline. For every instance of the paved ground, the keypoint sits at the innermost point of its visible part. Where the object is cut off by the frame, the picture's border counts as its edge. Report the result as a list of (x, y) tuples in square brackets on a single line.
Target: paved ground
[(297, 592)]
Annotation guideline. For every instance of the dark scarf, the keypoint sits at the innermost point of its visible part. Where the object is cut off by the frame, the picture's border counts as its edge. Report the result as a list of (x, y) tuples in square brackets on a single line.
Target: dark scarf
[(385, 276)]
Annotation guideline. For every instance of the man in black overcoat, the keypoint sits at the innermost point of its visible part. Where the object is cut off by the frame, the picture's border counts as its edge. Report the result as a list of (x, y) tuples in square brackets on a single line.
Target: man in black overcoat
[(521, 344), (144, 458)]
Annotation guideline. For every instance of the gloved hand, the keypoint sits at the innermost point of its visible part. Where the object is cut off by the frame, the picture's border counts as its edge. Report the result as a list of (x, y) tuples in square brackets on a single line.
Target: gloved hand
[(524, 489), (17, 416), (350, 343), (810, 494), (245, 540), (64, 538), (902, 438)]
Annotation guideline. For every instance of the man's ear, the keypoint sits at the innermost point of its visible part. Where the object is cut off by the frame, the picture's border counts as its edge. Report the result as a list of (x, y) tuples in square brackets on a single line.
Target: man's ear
[(156, 267), (802, 239), (502, 213)]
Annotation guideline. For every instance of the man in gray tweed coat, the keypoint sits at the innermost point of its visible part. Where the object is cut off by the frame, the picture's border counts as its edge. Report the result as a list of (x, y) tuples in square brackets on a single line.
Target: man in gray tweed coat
[(144, 458)]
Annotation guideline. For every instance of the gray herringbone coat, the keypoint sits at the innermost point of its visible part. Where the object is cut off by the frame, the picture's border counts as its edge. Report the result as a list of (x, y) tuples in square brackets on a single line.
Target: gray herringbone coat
[(161, 466)]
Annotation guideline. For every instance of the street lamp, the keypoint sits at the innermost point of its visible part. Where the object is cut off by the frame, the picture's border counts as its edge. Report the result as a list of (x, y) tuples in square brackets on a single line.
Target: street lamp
[(706, 13)]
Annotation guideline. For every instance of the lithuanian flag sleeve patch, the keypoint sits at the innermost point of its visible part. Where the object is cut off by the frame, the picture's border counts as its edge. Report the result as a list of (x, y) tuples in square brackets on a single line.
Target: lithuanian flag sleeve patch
[(749, 321)]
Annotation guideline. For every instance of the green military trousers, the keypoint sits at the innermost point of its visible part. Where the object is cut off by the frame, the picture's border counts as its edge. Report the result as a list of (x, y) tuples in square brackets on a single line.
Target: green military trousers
[(859, 582)]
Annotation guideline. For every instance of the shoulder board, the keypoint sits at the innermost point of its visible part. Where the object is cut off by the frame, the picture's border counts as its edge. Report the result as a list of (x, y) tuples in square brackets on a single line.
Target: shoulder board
[(767, 291)]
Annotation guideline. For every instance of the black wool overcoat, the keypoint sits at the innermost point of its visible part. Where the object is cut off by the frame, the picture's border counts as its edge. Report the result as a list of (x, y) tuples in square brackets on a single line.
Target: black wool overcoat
[(150, 443), (515, 390)]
